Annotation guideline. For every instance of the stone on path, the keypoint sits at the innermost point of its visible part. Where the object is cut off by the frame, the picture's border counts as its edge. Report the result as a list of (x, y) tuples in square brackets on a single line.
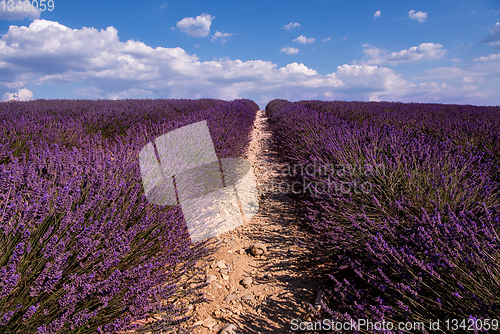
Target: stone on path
[(246, 282), (317, 302), (259, 249), (247, 297), (229, 329), (209, 323), (211, 278), (230, 298)]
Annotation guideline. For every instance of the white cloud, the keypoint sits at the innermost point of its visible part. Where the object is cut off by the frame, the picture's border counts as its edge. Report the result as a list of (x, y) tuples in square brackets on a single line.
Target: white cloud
[(289, 50), (196, 27), (460, 94), (91, 92), (452, 72), (494, 38), (220, 35), (491, 57), (377, 14), (47, 52), (419, 16), (302, 39), (472, 80), (425, 51), (366, 78), (20, 10), (130, 94), (164, 5), (456, 60), (297, 68), (326, 39), (489, 64), (21, 95), (344, 38), (292, 25)]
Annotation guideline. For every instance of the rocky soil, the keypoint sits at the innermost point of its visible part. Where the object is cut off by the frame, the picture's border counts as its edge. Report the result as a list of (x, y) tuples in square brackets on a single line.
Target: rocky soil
[(258, 279)]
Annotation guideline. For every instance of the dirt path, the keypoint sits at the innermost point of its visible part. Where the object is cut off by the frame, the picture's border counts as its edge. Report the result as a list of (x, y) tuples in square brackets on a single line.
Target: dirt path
[(281, 289)]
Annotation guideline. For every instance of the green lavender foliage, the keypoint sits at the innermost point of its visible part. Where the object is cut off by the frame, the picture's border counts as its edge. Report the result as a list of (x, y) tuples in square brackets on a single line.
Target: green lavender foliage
[(81, 250), (406, 220)]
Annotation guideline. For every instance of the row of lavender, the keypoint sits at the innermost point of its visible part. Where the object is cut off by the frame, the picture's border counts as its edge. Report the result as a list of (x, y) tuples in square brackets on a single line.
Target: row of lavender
[(464, 125), (404, 218), (81, 248)]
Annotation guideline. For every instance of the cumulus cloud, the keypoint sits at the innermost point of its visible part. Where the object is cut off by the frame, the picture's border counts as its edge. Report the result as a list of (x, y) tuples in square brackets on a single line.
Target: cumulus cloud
[(292, 25), (453, 72), (21, 95), (47, 52), (91, 92), (425, 51), (491, 57), (19, 11), (377, 14), (456, 60), (488, 64), (220, 35), (419, 16), (289, 50), (443, 93), (302, 39), (297, 68), (494, 38), (326, 39), (363, 78), (196, 27)]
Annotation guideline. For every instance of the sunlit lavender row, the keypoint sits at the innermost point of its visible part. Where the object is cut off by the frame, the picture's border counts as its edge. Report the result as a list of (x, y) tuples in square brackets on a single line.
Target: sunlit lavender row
[(420, 240), (81, 248)]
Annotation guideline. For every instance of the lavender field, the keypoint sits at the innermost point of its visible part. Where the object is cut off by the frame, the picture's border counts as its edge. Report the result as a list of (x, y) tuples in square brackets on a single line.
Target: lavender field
[(81, 250), (403, 206)]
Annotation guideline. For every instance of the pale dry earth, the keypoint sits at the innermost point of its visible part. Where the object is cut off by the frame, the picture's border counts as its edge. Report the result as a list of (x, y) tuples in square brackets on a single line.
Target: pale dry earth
[(282, 288)]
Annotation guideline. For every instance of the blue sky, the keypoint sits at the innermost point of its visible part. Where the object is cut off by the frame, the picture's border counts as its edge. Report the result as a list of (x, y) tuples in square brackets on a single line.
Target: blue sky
[(444, 51)]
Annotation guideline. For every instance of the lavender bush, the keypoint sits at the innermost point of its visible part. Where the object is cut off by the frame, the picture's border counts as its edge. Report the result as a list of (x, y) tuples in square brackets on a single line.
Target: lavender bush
[(422, 243), (81, 248), (465, 125)]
